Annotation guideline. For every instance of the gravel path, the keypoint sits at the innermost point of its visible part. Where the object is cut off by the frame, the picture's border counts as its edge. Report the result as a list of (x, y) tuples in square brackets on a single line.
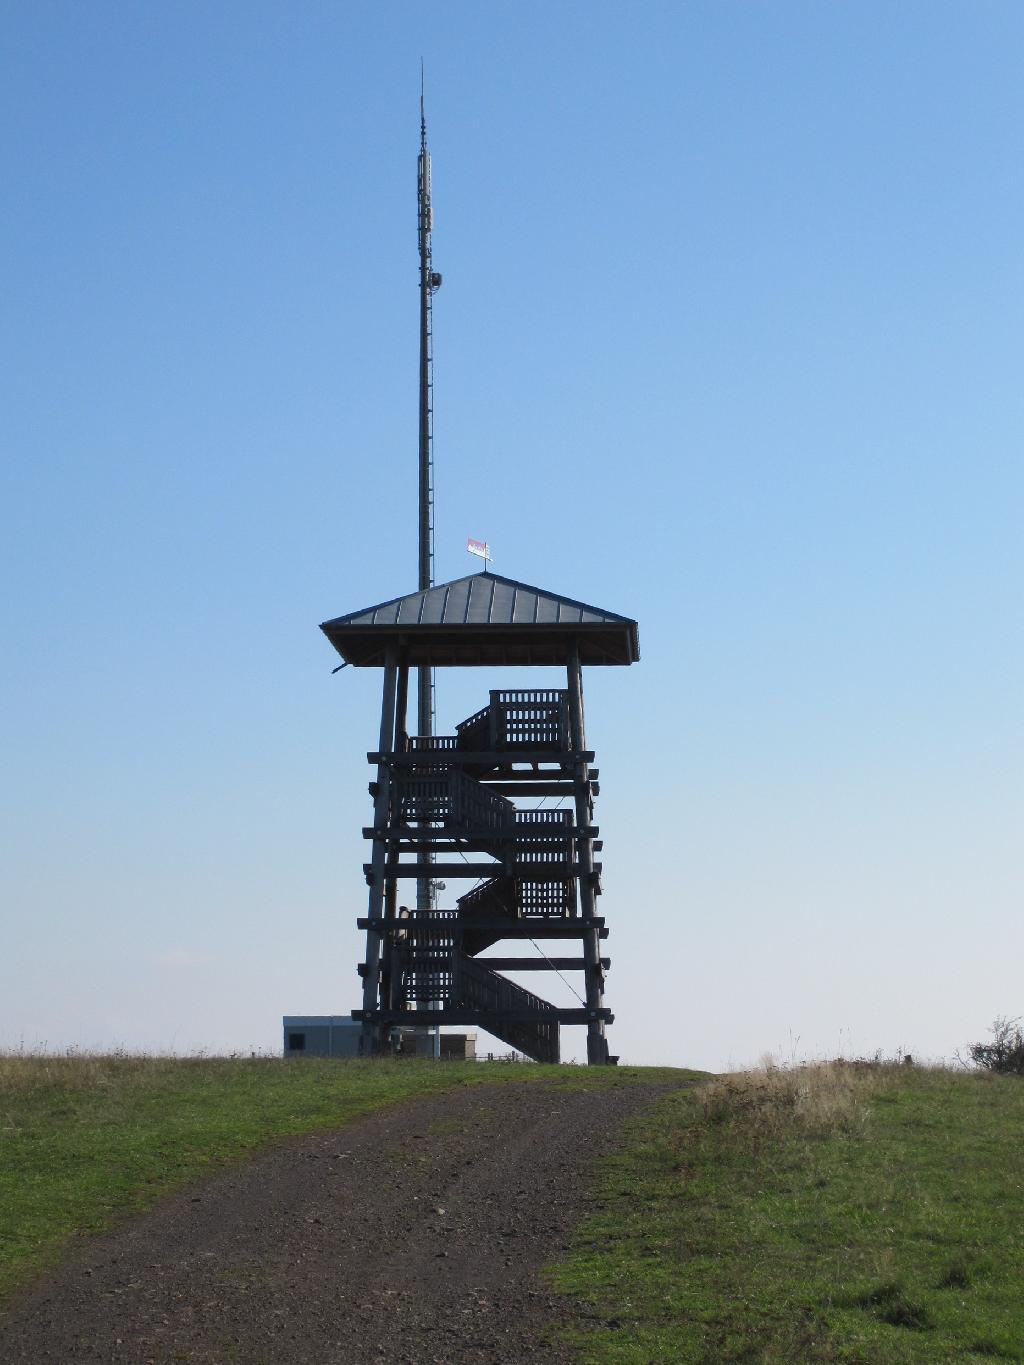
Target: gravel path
[(414, 1236)]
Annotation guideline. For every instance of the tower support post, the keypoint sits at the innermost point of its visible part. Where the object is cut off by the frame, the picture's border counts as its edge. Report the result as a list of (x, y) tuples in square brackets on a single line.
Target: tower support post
[(389, 980), (597, 1044), (370, 1039)]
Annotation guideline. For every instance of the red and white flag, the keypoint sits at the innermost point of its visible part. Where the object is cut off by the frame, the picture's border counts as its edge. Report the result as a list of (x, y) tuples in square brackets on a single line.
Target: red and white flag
[(478, 547)]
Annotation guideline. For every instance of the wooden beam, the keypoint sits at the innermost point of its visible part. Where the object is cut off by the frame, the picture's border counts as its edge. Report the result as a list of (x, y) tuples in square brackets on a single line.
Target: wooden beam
[(531, 787), (418, 758), (506, 928), (590, 881), (376, 870), (530, 872), (538, 964), (527, 838), (533, 773), (483, 1018)]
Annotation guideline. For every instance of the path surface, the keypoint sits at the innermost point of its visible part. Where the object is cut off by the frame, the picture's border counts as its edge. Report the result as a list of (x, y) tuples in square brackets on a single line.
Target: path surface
[(414, 1236)]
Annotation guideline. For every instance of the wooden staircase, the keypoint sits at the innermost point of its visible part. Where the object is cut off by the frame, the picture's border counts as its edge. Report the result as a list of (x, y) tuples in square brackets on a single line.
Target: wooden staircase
[(451, 796)]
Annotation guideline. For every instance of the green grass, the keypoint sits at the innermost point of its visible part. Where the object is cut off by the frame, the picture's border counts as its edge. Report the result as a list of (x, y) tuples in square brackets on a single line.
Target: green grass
[(832, 1214), (84, 1139)]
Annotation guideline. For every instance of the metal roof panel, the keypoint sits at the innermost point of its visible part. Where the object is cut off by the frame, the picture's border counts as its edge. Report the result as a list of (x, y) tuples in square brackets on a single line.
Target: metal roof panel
[(484, 618), (456, 603), (481, 593), (525, 607), (432, 605), (502, 598)]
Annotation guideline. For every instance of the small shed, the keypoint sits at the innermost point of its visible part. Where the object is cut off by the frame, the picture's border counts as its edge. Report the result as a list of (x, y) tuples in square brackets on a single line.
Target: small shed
[(320, 1035), (337, 1035)]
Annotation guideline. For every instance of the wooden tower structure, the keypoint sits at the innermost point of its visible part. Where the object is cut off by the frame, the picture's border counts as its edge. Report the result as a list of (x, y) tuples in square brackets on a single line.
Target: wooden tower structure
[(473, 807)]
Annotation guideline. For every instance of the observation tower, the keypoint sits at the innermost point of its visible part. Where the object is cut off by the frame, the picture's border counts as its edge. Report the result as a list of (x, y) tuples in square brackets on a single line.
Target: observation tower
[(463, 807)]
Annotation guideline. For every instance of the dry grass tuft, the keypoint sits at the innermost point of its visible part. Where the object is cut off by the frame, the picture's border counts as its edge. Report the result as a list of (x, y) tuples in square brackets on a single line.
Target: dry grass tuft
[(821, 1100), (38, 1073)]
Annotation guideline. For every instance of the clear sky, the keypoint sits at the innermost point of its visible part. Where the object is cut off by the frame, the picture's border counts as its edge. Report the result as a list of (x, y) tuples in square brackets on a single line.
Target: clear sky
[(730, 340)]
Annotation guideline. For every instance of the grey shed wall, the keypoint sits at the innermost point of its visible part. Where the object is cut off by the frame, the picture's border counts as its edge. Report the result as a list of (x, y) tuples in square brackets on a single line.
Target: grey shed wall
[(320, 1035)]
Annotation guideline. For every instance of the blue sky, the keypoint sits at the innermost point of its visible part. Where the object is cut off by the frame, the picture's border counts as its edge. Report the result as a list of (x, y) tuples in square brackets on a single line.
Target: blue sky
[(730, 340)]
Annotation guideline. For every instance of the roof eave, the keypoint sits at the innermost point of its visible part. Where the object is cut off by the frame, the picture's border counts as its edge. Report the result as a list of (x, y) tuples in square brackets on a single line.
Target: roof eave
[(509, 645)]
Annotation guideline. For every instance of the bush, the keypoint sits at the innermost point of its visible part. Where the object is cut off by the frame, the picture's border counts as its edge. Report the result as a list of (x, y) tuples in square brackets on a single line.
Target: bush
[(1005, 1053)]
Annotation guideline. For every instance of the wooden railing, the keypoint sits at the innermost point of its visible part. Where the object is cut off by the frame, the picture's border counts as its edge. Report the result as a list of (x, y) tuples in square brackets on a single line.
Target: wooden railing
[(474, 733), (417, 743), (427, 952), (476, 987), (494, 899), (530, 718), (541, 823), (450, 799)]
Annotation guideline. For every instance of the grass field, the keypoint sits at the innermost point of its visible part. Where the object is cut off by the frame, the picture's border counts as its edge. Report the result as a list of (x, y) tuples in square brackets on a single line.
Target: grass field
[(843, 1212), (836, 1213), (84, 1138)]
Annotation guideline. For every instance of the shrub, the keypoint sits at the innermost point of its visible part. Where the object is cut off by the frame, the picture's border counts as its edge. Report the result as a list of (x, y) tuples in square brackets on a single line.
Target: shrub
[(1005, 1053)]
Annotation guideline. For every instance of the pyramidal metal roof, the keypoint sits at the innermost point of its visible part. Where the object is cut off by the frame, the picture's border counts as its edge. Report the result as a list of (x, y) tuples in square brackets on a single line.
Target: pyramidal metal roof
[(483, 619)]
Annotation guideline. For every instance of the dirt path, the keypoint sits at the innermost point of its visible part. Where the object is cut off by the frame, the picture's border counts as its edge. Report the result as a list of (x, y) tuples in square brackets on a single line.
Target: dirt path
[(415, 1236)]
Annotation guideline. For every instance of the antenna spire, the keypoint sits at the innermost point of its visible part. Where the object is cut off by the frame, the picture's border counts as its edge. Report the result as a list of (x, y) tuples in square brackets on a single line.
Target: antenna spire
[(430, 282)]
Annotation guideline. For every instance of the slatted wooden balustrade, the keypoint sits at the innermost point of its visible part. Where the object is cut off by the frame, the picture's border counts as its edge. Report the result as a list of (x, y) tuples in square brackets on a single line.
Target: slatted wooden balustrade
[(524, 718), (494, 996), (450, 799)]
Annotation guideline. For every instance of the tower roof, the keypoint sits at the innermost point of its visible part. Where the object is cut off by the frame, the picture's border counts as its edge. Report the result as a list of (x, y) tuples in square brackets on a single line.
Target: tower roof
[(483, 619)]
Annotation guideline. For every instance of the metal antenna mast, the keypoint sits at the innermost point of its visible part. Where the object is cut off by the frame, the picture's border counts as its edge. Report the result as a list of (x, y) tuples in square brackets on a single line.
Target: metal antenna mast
[(430, 282)]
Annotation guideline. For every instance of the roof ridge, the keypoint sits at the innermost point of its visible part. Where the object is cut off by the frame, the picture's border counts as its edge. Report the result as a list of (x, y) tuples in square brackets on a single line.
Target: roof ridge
[(492, 579)]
